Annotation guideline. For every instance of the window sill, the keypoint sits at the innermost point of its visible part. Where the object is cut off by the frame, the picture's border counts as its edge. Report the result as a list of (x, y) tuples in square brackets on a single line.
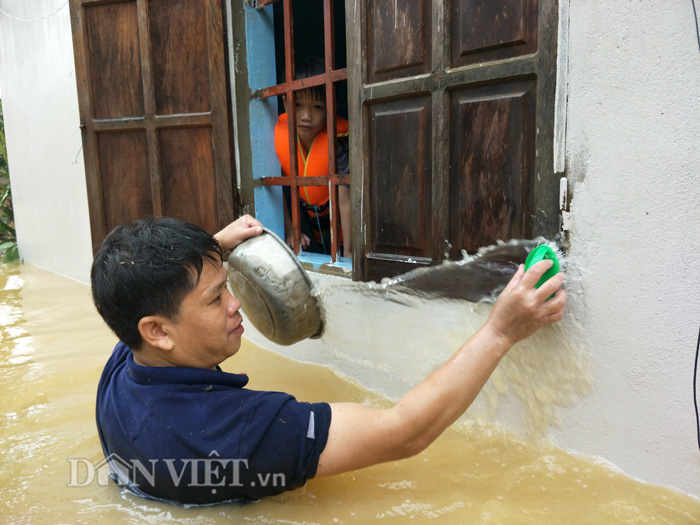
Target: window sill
[(320, 263)]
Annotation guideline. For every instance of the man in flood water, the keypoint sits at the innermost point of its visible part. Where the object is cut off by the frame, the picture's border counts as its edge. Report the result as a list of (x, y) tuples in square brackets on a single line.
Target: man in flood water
[(175, 427)]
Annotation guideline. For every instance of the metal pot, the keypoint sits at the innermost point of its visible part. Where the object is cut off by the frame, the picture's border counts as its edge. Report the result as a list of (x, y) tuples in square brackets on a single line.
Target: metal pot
[(274, 290)]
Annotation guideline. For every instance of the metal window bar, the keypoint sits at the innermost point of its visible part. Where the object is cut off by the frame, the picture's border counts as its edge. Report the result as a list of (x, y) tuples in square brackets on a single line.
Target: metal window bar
[(288, 89)]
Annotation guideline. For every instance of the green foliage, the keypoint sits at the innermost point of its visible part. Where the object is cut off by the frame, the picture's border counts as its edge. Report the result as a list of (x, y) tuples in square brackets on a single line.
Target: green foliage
[(8, 236)]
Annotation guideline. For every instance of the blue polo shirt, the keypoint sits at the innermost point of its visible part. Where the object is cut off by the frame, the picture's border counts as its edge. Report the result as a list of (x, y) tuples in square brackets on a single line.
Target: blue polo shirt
[(196, 437)]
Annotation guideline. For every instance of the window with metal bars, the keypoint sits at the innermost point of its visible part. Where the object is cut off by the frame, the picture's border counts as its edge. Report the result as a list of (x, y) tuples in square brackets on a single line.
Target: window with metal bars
[(310, 73), (452, 108)]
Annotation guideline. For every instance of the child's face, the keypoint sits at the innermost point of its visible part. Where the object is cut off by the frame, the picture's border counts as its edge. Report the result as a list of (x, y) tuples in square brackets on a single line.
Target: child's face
[(311, 116)]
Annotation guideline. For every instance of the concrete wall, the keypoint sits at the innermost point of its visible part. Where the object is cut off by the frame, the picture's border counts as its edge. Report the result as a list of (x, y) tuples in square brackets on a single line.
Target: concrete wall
[(40, 104), (614, 379), (633, 154)]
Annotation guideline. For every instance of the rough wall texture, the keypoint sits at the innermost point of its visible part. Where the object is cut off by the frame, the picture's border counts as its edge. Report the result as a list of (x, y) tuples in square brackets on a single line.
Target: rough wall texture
[(633, 154)]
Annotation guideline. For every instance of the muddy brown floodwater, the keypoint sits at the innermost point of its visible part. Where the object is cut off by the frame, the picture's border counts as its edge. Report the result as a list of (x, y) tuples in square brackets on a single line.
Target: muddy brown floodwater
[(52, 349)]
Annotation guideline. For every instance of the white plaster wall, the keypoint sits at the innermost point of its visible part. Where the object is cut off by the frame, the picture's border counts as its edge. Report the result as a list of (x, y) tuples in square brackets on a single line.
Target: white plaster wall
[(43, 138), (633, 154)]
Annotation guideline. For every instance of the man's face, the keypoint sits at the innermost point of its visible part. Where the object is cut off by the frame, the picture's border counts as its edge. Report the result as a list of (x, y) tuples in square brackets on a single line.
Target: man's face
[(208, 328), (310, 115)]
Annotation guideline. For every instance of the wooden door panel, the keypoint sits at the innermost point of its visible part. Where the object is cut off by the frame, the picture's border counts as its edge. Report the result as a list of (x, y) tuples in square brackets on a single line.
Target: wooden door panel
[(187, 159), (485, 75), (492, 151), (179, 40), (484, 30), (405, 21), (153, 101), (400, 178), (124, 172), (113, 43)]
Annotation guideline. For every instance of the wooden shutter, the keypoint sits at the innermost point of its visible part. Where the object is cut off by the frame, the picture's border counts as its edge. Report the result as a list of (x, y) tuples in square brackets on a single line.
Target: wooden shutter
[(152, 94), (452, 109)]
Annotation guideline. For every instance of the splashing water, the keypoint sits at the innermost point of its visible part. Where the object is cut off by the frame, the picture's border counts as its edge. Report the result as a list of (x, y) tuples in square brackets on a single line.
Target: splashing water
[(475, 278)]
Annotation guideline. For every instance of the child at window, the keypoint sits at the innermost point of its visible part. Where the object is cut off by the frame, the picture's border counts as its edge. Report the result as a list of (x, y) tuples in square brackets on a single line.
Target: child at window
[(312, 159)]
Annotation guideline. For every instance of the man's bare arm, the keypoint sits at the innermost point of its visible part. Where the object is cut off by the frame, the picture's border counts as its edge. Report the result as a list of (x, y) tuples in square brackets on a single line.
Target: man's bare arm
[(361, 436)]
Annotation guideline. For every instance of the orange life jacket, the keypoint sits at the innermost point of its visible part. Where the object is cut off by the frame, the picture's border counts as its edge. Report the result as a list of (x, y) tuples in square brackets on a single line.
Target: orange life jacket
[(312, 165)]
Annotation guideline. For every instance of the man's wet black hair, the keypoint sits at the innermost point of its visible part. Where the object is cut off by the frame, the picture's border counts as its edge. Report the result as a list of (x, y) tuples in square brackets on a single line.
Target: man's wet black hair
[(147, 267), (311, 67)]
